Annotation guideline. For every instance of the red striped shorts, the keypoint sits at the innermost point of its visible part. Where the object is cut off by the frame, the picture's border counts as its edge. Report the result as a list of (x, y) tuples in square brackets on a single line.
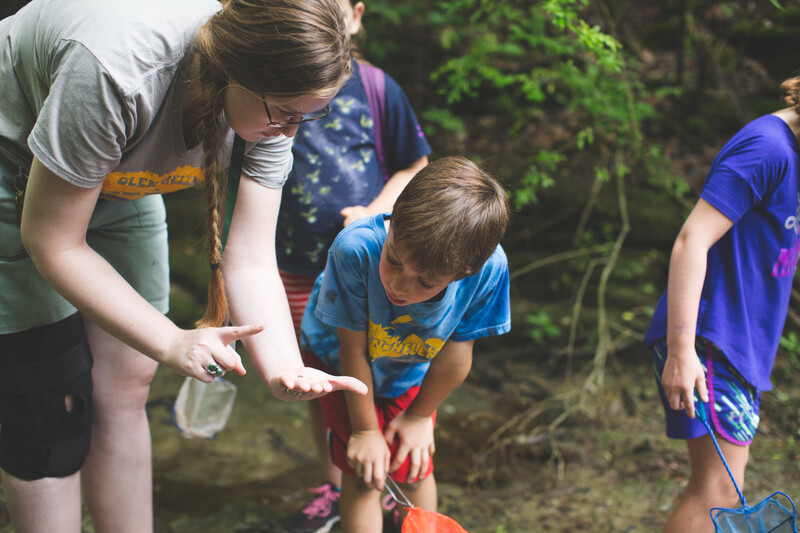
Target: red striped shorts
[(298, 289)]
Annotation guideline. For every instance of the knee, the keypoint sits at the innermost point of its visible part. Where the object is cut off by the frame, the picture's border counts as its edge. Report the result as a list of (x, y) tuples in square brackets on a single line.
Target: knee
[(412, 486), (46, 415), (355, 486), (125, 396), (120, 390)]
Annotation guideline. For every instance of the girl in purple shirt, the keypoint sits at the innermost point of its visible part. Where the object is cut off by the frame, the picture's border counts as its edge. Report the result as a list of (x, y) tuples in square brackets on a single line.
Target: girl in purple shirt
[(715, 332)]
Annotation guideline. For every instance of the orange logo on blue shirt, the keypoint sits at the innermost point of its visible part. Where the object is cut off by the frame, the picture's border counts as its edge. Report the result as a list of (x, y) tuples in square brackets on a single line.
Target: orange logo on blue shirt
[(385, 342)]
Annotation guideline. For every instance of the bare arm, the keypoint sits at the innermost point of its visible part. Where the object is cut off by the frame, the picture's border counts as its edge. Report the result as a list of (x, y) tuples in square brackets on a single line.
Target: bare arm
[(54, 225), (257, 296), (448, 370), (682, 371), (414, 427), (367, 452), (384, 202)]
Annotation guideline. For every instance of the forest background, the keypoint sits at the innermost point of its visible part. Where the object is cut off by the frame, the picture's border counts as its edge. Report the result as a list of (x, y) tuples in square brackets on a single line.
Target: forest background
[(601, 118)]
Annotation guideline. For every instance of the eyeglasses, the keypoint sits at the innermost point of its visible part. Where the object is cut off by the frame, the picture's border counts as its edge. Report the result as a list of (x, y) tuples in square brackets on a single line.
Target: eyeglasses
[(322, 113)]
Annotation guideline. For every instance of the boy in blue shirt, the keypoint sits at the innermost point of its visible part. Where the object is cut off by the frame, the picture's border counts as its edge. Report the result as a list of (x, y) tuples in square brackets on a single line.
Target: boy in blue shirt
[(351, 164), (400, 303)]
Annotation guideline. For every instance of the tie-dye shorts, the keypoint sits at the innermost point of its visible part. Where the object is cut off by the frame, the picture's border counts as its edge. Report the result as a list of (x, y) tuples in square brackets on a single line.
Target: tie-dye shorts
[(735, 412)]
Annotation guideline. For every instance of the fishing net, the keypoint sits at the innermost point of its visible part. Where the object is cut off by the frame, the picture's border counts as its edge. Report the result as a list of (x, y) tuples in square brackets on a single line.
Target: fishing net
[(775, 514), (770, 515), (419, 520), (422, 521)]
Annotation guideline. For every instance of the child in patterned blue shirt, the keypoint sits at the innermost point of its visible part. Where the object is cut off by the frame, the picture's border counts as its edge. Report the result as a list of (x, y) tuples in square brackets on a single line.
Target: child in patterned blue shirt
[(336, 179), (400, 303)]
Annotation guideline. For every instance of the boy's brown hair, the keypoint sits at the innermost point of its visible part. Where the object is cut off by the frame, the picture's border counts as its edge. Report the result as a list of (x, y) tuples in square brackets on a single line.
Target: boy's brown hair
[(450, 217)]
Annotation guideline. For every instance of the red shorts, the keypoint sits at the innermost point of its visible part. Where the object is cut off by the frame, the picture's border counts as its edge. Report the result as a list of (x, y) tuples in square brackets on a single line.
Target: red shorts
[(337, 422), (298, 289)]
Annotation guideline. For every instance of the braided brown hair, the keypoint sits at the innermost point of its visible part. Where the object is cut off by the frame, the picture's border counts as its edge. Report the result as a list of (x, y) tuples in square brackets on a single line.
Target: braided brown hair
[(279, 48)]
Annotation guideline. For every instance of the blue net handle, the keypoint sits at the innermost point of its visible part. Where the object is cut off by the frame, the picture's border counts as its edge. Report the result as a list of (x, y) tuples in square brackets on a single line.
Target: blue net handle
[(700, 408)]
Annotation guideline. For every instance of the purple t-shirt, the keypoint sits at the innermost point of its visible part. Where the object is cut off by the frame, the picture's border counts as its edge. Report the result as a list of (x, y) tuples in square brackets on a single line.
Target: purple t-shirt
[(753, 181)]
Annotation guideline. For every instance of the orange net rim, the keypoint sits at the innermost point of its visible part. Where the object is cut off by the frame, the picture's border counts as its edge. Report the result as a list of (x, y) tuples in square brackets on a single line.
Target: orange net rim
[(421, 521)]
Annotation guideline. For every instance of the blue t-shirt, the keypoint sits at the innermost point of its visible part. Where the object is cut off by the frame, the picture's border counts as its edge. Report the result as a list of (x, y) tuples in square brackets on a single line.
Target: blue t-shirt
[(753, 181), (336, 166), (402, 339)]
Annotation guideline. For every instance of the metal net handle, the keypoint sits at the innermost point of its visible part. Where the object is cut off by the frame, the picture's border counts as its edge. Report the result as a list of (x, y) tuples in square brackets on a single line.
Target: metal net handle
[(394, 491), (701, 414)]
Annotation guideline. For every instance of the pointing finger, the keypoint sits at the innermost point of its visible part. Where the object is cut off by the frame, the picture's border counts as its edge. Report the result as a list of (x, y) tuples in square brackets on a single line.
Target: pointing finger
[(230, 334), (239, 366)]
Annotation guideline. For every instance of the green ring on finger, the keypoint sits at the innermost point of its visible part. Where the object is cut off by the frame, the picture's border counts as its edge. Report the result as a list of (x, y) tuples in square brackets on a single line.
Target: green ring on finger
[(214, 369)]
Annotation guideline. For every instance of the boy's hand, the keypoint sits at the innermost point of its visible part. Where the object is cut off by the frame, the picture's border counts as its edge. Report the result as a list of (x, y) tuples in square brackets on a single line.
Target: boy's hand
[(368, 455), (308, 383), (683, 373), (415, 436)]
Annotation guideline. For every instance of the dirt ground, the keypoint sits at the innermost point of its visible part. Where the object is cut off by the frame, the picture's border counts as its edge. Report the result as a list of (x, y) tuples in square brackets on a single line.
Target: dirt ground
[(607, 468)]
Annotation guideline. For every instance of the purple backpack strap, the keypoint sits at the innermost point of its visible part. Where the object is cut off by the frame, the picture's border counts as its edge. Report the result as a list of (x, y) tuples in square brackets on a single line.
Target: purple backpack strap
[(374, 82)]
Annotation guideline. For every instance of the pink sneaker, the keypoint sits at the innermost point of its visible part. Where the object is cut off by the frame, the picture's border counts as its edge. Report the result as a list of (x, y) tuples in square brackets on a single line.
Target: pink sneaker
[(320, 514), (388, 504)]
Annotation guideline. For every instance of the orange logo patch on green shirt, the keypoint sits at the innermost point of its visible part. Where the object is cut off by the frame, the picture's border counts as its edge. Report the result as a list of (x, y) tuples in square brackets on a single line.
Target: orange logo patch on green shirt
[(133, 185)]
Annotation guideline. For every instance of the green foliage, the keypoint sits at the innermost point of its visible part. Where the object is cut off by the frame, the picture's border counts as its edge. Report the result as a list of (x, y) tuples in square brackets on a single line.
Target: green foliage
[(787, 364), (520, 57), (542, 328), (386, 20), (524, 55), (539, 176), (791, 343), (442, 118), (577, 109), (656, 166)]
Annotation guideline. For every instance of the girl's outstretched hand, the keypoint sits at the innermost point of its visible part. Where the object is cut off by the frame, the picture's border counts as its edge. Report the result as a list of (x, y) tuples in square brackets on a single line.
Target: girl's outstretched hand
[(206, 353), (307, 383), (681, 376)]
